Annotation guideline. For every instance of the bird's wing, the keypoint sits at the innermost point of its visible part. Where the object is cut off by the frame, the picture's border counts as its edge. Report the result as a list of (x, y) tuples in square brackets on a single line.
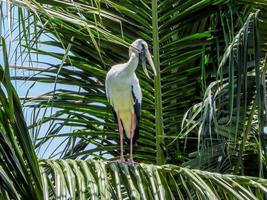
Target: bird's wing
[(136, 90), (137, 99)]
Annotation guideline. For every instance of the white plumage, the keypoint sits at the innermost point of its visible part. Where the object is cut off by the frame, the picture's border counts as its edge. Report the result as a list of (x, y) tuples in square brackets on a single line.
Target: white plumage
[(119, 89), (124, 93)]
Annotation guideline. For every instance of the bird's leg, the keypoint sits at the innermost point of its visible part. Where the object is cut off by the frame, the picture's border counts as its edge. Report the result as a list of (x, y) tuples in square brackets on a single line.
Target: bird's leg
[(131, 161), (121, 138)]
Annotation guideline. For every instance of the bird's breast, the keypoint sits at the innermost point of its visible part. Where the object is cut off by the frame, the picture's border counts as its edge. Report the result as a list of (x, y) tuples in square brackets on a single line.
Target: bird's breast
[(122, 98)]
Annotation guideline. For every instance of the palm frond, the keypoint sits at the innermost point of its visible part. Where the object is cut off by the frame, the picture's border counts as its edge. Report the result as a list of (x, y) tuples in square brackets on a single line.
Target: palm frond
[(19, 169), (232, 107), (189, 41), (79, 179)]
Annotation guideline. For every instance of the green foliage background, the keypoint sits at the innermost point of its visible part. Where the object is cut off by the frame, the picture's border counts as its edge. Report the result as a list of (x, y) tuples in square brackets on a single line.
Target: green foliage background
[(205, 109)]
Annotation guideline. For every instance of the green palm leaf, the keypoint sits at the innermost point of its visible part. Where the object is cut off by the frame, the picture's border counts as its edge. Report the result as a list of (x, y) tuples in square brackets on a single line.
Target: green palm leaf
[(101, 180), (189, 41), (206, 52), (19, 169), (228, 111)]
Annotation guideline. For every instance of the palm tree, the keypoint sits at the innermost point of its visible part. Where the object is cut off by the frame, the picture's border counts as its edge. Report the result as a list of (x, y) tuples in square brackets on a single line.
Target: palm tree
[(206, 111)]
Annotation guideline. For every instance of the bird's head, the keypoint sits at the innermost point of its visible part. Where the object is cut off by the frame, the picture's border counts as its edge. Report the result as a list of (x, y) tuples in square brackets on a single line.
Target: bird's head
[(140, 46)]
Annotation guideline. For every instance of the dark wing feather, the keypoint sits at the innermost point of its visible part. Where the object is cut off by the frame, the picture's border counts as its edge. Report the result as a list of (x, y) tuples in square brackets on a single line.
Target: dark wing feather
[(137, 110)]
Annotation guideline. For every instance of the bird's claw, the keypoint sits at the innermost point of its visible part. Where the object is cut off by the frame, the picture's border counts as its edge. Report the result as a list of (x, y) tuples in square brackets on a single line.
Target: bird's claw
[(121, 160), (131, 162)]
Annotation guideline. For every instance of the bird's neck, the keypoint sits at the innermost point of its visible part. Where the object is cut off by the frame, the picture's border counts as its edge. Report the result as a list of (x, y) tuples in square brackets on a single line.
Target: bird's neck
[(132, 64)]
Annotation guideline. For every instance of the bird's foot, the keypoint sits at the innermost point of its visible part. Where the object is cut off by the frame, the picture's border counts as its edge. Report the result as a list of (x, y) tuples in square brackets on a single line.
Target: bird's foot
[(121, 160), (131, 161)]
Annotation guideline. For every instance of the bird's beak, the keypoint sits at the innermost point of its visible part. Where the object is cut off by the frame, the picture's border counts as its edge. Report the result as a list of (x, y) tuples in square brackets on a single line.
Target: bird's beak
[(145, 53)]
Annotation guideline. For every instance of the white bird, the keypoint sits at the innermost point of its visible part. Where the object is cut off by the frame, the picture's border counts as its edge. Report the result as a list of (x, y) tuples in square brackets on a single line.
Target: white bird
[(124, 93)]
